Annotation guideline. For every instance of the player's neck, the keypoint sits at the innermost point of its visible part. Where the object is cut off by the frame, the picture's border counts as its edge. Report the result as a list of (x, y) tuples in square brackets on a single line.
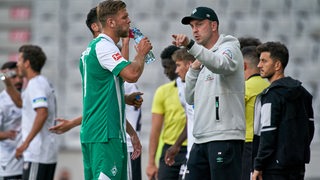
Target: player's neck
[(112, 35), (31, 74)]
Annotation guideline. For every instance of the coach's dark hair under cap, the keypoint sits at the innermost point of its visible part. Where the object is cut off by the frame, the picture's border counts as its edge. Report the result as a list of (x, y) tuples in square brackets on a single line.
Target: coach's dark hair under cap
[(201, 13)]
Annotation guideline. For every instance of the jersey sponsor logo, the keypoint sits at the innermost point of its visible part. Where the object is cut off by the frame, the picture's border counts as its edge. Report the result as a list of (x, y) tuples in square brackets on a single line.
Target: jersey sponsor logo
[(116, 56), (228, 54), (209, 77), (39, 100)]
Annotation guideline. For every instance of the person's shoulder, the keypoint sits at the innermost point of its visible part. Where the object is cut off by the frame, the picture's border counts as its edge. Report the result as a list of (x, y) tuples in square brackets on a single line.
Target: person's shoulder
[(167, 85), (2, 93), (38, 79), (103, 38), (3, 97), (104, 45), (165, 88), (257, 81), (255, 85), (94, 41), (228, 38), (229, 41)]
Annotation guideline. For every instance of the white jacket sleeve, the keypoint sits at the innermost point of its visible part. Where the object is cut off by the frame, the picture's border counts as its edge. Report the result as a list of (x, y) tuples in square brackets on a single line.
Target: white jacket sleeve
[(220, 61), (191, 80)]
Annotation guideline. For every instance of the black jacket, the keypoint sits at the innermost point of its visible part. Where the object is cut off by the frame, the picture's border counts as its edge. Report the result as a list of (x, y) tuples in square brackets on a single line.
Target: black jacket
[(287, 127)]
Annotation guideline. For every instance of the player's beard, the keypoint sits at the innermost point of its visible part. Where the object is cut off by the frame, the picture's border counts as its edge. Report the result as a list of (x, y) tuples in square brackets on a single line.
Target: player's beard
[(122, 32), (18, 86), (267, 75)]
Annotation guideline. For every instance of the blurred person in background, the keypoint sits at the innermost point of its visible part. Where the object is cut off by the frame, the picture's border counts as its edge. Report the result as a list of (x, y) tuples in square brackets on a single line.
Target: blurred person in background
[(168, 119), (285, 116), (133, 115), (183, 61), (215, 86), (104, 70), (10, 127), (38, 101), (248, 41), (254, 84)]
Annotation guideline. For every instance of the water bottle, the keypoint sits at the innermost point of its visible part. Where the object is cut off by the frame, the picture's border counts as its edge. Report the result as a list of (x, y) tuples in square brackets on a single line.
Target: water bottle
[(137, 36), (8, 74)]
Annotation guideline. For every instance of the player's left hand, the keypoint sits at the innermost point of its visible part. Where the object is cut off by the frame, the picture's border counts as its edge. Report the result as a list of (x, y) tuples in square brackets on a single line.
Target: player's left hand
[(137, 148)]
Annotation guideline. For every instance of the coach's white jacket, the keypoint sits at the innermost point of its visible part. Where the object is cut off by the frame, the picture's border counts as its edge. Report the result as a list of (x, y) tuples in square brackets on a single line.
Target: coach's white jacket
[(217, 91)]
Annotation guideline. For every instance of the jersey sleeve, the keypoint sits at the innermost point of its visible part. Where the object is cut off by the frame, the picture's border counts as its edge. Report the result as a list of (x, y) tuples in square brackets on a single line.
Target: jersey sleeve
[(38, 95), (130, 88), (110, 57), (270, 115)]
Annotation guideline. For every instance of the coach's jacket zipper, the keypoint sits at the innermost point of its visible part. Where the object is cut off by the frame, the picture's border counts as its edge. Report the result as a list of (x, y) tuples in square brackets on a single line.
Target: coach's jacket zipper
[(217, 108)]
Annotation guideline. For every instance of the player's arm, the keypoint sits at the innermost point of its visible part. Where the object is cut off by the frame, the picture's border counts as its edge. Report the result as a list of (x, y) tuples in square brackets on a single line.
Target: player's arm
[(133, 71), (157, 122), (10, 134), (13, 92), (125, 47), (64, 125), (173, 150), (41, 117), (134, 140), (270, 116)]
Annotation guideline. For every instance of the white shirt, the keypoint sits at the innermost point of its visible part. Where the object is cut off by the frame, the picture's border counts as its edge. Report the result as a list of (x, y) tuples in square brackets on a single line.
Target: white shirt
[(39, 93), (10, 119), (133, 115), (189, 112)]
